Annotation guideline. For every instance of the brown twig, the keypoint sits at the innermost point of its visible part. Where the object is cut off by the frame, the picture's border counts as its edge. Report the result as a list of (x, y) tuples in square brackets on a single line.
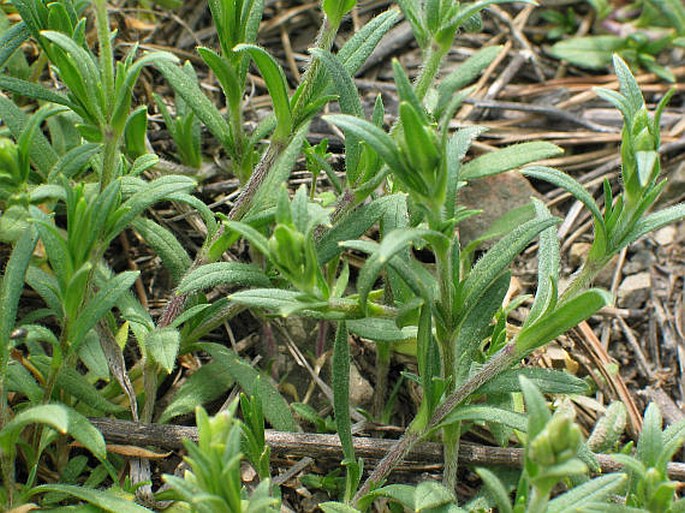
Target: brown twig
[(327, 447)]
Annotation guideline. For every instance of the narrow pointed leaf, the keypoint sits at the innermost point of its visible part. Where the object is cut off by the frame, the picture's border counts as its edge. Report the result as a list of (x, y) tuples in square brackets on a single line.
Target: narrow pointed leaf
[(11, 288), (223, 273), (562, 319), (100, 304), (500, 256), (52, 415), (508, 158), (597, 490), (166, 245), (360, 46), (566, 182), (104, 500), (162, 345), (380, 141), (654, 222), (204, 109), (276, 83), (12, 40), (276, 409)]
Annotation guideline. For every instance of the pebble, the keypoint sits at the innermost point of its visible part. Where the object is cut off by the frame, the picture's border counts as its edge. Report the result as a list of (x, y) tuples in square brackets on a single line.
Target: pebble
[(634, 290), (666, 235), (361, 391)]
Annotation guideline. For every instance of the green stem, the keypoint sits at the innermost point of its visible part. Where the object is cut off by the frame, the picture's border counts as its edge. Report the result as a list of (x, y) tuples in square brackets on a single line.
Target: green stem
[(382, 368), (583, 279), (433, 58), (502, 361), (450, 440), (106, 55), (324, 41), (110, 157), (538, 501)]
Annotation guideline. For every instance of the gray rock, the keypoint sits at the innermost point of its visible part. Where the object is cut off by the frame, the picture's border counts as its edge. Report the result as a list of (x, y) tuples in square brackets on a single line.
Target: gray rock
[(634, 290)]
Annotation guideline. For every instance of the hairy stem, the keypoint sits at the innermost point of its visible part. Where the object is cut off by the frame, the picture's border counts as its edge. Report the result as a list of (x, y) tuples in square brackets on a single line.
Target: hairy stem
[(502, 361), (106, 56), (433, 58)]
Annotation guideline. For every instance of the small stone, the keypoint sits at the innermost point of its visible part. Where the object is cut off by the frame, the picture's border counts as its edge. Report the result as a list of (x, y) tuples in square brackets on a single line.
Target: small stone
[(495, 196), (634, 290), (666, 235), (639, 261), (361, 391)]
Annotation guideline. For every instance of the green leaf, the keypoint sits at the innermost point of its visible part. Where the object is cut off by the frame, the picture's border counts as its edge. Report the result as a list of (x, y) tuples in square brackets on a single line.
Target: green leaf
[(86, 434), (75, 384), (508, 158), (381, 330), (569, 184), (104, 500), (225, 74), (33, 90), (480, 413), (135, 132), (276, 409), (269, 299), (20, 380), (650, 444), (597, 490), (475, 326), (405, 91), (204, 109), (361, 45), (673, 11), (404, 494), (12, 40), (560, 320), (628, 85), (79, 71), (589, 52), (11, 288), (105, 299), (546, 380), (465, 73), (336, 9), (549, 258), (162, 345), (376, 138), (53, 415), (392, 243), (337, 507), (350, 103), (277, 85), (208, 383), (341, 390), (166, 245), (72, 162), (279, 173), (654, 222), (608, 429), (429, 495), (500, 256), (356, 223), (673, 439), (536, 408), (222, 273), (497, 490), (149, 194), (42, 153)]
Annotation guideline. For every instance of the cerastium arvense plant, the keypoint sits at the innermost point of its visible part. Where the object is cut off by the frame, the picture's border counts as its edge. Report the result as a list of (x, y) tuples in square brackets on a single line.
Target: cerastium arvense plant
[(67, 192)]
